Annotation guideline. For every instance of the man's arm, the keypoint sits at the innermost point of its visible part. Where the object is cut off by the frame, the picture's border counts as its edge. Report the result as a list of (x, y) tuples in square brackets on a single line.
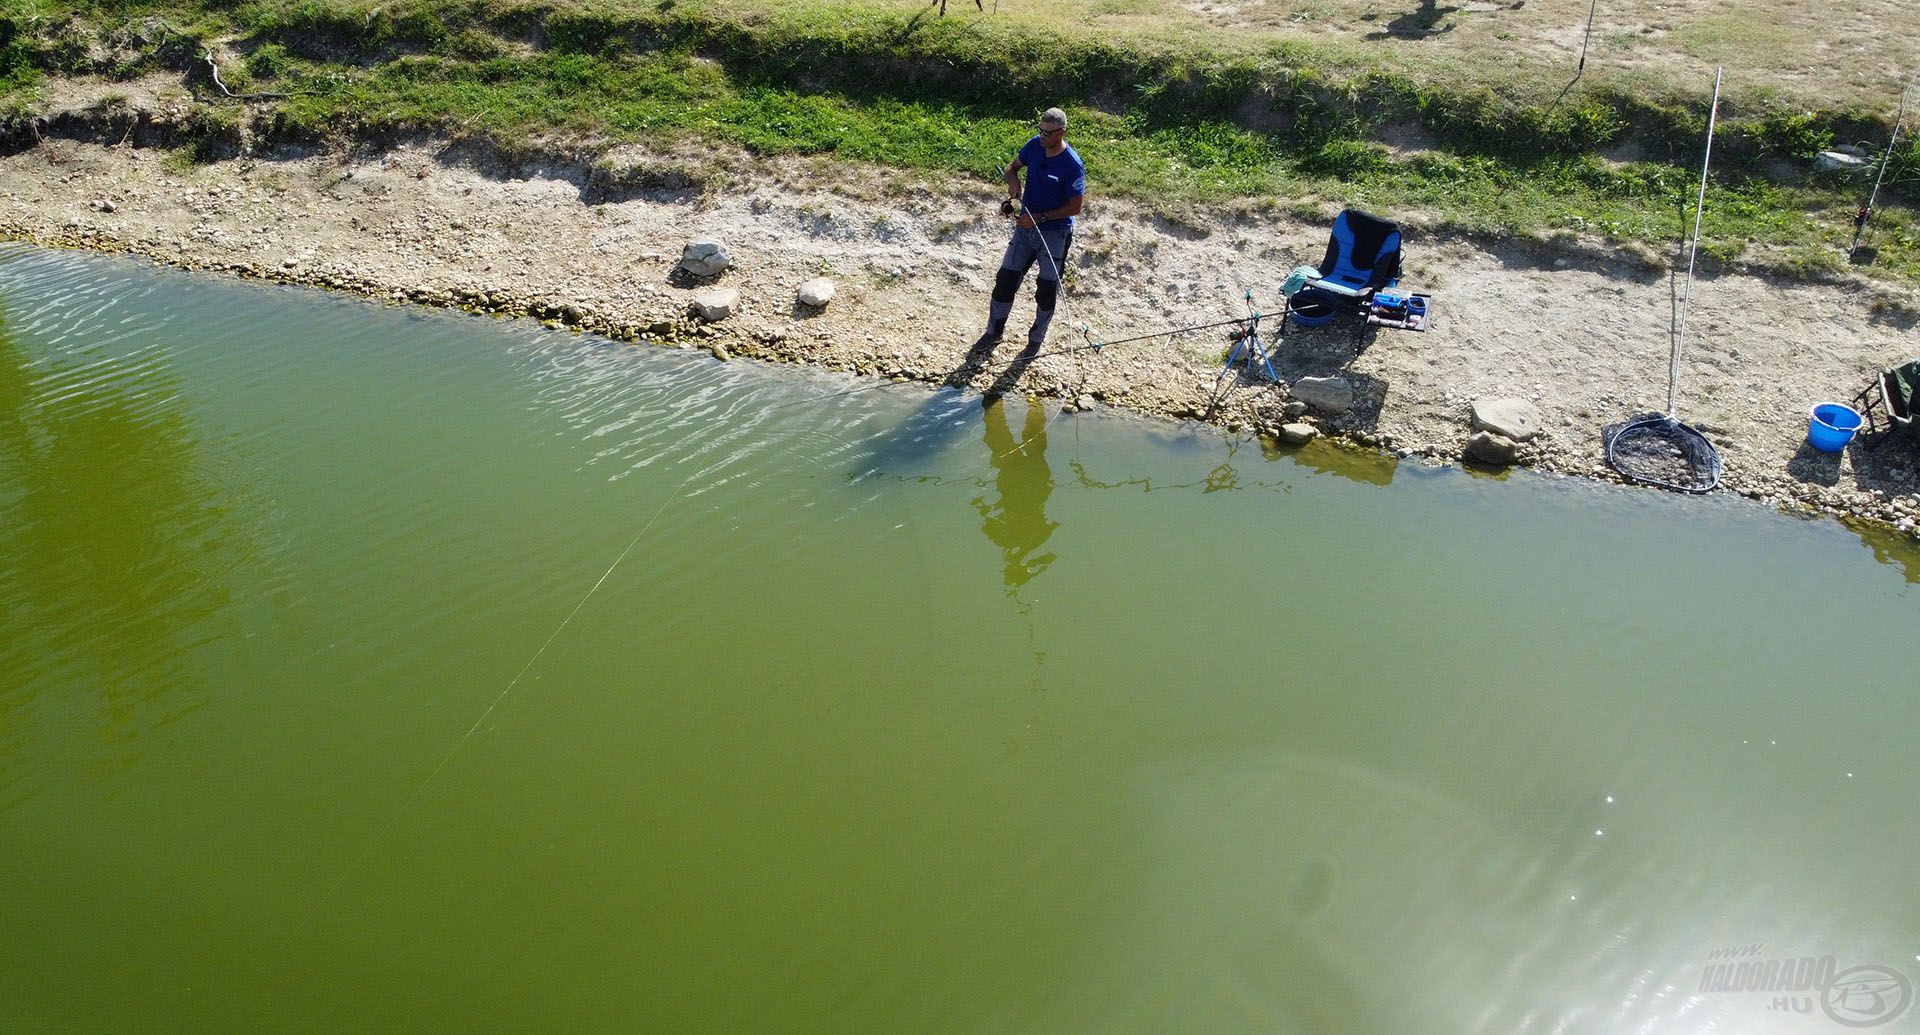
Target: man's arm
[(1030, 219), (1071, 208), (1012, 179)]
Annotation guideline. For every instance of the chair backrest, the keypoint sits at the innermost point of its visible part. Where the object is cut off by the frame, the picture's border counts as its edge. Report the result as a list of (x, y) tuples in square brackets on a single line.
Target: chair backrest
[(1902, 385), (1363, 252)]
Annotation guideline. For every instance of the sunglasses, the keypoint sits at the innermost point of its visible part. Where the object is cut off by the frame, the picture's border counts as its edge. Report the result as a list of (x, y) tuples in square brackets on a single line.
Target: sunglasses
[(1047, 131)]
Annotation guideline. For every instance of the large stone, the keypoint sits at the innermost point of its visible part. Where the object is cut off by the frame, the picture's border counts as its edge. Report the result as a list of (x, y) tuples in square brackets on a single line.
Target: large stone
[(1326, 394), (705, 258), (1509, 418), (1834, 161), (715, 304), (1298, 434), (816, 292), (1489, 448)]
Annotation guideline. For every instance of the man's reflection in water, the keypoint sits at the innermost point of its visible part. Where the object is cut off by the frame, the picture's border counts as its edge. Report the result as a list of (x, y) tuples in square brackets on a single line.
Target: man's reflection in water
[(1017, 520)]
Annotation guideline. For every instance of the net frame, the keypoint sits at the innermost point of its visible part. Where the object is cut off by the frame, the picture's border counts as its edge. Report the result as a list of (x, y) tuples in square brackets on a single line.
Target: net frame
[(1655, 449)]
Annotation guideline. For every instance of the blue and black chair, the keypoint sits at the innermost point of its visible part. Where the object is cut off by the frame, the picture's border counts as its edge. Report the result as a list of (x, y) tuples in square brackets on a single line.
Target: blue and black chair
[(1363, 258)]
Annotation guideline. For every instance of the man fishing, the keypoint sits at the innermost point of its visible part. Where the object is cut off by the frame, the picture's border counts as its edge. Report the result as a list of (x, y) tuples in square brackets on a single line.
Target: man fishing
[(1043, 228)]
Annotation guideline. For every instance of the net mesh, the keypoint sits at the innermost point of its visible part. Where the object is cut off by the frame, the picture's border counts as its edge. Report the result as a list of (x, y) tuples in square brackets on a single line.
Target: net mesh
[(1656, 449)]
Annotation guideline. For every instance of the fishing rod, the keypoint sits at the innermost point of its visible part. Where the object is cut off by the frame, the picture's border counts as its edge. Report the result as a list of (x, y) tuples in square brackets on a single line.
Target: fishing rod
[(1095, 345), (1866, 211), (1580, 69)]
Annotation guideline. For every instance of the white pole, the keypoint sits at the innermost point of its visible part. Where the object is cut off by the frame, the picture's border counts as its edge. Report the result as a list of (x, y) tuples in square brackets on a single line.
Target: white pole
[(1699, 209)]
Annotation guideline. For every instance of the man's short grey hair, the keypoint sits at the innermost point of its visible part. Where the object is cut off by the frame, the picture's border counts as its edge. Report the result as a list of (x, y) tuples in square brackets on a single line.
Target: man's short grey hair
[(1054, 117)]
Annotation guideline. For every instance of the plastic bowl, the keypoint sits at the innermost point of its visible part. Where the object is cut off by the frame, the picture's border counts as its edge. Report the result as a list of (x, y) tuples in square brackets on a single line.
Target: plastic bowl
[(1831, 427), (1312, 307)]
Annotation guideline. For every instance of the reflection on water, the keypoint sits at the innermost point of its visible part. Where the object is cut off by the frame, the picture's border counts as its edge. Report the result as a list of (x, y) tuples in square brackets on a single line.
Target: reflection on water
[(1016, 519), (1361, 753), (1222, 477), (1368, 466), (114, 544), (1889, 546)]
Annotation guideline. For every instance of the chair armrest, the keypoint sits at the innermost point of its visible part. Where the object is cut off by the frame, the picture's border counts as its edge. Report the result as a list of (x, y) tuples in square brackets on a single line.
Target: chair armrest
[(1342, 289)]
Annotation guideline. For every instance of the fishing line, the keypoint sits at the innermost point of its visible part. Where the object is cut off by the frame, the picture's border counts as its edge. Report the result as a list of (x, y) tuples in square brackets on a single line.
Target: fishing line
[(1093, 345), (407, 805)]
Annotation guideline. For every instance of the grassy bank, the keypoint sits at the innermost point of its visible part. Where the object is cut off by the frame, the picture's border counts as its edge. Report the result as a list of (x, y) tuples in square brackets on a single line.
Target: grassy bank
[(1177, 117)]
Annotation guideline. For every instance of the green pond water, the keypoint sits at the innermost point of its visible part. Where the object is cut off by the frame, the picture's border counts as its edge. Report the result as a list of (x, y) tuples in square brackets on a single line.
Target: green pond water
[(371, 670)]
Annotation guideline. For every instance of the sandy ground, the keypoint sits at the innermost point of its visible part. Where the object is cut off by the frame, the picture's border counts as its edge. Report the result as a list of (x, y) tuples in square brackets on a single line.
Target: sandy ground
[(1580, 332)]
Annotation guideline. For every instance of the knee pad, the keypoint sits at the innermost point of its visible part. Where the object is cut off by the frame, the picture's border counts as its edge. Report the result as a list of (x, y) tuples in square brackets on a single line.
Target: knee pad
[(1007, 284), (1044, 294)]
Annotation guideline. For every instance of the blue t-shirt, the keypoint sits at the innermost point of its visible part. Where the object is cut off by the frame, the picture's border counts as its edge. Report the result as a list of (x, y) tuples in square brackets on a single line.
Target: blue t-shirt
[(1051, 180)]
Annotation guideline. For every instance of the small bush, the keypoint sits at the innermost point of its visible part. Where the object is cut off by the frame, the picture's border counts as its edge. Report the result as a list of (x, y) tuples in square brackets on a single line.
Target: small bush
[(584, 32), (1345, 159), (269, 62), (1443, 168), (418, 28), (211, 133), (1801, 134)]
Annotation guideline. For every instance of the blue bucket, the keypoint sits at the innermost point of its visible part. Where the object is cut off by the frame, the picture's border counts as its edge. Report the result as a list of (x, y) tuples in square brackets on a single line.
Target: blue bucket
[(1832, 427), (1312, 307)]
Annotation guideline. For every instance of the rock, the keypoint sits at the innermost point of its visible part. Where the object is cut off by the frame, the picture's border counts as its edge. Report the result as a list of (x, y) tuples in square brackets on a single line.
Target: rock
[(1298, 434), (1326, 394), (1833, 161), (816, 292), (705, 258), (1489, 448), (1509, 418), (719, 352), (1085, 402), (1293, 408), (715, 304)]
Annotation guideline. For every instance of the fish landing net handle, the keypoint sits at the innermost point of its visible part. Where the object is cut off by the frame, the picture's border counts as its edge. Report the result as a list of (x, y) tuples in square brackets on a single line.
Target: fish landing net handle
[(1656, 448)]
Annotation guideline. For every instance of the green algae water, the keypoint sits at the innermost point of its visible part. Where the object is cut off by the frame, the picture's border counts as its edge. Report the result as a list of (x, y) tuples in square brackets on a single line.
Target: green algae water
[(368, 669)]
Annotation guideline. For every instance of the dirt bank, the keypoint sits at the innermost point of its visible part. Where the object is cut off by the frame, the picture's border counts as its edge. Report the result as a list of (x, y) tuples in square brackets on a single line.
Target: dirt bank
[(1581, 332)]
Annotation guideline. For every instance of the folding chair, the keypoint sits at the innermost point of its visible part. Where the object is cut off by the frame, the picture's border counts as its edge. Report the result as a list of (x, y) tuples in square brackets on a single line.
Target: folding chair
[(1363, 258), (1891, 398)]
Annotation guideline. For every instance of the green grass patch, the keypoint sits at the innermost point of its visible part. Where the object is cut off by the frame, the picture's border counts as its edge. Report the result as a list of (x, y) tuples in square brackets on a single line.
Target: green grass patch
[(1188, 120)]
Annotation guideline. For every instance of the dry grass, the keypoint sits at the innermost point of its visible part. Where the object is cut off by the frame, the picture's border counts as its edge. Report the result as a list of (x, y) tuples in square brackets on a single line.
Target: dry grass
[(1833, 54)]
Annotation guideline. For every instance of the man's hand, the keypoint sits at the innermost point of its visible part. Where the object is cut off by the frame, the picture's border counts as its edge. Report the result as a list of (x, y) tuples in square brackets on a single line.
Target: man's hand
[(1026, 220)]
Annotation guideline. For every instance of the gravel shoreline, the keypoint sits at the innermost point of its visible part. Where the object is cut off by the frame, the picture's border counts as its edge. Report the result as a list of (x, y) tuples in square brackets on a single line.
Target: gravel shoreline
[(1577, 330)]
